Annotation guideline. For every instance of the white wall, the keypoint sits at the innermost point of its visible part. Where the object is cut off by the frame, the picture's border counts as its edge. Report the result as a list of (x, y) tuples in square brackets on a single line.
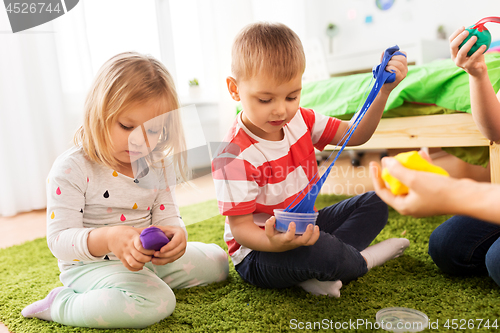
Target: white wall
[(229, 17), (406, 22)]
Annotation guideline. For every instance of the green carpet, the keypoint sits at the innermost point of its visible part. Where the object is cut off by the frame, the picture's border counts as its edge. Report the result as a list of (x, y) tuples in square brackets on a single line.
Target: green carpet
[(29, 271)]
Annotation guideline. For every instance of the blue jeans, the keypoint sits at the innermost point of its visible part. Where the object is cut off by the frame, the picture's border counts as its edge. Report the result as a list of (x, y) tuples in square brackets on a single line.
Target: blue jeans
[(346, 228), (466, 246)]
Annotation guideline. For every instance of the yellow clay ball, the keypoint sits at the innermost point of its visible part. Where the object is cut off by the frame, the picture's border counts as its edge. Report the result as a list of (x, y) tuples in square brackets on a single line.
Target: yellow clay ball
[(411, 160)]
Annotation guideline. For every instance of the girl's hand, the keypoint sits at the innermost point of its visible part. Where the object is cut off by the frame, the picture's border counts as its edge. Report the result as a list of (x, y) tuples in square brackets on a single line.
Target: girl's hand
[(473, 65), (284, 241), (174, 249), (397, 64), (125, 243)]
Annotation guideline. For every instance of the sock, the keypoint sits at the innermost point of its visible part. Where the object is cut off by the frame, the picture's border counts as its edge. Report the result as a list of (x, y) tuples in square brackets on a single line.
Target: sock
[(316, 287), (41, 309), (384, 251)]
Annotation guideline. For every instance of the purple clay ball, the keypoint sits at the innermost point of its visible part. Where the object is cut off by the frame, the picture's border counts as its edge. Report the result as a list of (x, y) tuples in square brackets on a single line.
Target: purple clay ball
[(153, 238)]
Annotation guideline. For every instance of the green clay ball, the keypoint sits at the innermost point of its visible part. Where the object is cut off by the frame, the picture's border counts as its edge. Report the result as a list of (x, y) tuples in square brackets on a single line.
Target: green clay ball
[(483, 38)]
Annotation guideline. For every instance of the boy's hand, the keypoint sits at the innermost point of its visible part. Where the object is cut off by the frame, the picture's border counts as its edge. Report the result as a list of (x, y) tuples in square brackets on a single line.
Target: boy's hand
[(125, 243), (473, 65), (174, 249), (288, 240), (399, 65)]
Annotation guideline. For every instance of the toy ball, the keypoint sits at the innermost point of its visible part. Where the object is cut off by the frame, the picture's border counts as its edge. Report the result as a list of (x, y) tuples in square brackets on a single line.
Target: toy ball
[(411, 160), (483, 38), (482, 34), (153, 238)]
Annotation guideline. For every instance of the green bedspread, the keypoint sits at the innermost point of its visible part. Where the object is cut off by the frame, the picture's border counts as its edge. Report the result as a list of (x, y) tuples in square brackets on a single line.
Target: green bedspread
[(441, 84)]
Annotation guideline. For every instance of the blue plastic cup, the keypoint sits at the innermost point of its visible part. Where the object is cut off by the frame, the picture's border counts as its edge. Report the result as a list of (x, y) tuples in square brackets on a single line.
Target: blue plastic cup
[(302, 220)]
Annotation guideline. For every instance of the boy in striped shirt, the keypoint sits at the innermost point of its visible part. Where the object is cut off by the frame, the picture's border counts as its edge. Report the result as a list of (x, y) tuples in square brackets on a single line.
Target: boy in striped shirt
[(269, 158)]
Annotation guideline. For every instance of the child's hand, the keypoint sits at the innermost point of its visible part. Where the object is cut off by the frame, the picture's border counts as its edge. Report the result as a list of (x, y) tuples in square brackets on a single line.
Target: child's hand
[(125, 243), (174, 249), (288, 240), (473, 65), (399, 65)]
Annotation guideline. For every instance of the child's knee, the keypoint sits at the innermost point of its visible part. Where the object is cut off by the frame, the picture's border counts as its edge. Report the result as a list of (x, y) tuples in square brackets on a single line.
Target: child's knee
[(492, 262), (217, 267), (159, 304), (137, 305), (445, 253), (379, 203), (437, 248), (440, 248), (377, 206), (209, 262)]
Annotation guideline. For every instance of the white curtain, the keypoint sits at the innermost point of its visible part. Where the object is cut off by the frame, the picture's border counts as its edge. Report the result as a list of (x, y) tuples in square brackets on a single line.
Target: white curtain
[(44, 74)]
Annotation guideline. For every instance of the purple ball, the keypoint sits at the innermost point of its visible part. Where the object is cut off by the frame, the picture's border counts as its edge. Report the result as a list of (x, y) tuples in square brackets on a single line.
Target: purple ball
[(153, 238)]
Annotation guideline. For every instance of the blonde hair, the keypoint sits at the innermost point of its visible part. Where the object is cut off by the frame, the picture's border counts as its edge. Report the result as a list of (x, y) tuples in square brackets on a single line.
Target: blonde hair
[(270, 47), (126, 80)]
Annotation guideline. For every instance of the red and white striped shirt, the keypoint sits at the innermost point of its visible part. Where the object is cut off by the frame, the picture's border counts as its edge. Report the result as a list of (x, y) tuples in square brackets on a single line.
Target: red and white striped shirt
[(256, 176)]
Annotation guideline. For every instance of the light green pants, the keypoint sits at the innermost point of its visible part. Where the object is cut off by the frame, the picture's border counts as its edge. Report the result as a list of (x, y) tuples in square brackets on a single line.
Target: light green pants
[(108, 295)]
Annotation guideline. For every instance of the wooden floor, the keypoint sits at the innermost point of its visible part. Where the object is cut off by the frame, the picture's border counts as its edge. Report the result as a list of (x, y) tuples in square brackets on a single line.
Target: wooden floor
[(343, 179)]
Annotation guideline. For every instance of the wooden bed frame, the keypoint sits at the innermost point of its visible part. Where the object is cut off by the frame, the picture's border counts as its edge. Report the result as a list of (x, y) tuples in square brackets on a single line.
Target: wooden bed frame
[(447, 130)]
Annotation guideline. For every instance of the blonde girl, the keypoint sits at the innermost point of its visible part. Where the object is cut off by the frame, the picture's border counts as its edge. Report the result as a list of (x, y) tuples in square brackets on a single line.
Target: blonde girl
[(103, 192)]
